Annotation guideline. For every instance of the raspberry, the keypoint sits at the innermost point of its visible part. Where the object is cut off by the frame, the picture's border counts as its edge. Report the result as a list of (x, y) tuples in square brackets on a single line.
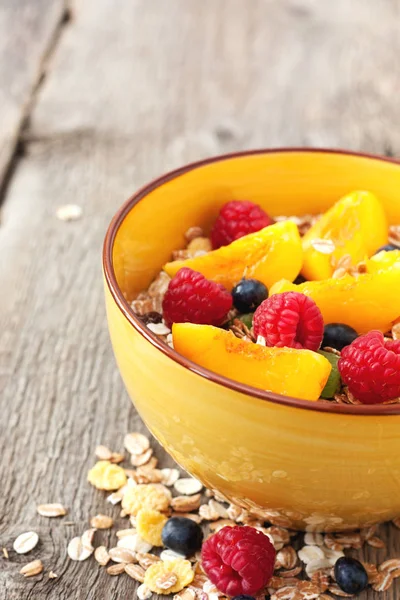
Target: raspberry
[(238, 560), (371, 368), (191, 298), (289, 319), (236, 219)]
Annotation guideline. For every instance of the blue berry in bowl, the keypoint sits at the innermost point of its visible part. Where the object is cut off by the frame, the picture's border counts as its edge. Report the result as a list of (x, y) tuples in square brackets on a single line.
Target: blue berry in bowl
[(248, 294), (182, 535), (387, 248), (338, 335), (350, 575)]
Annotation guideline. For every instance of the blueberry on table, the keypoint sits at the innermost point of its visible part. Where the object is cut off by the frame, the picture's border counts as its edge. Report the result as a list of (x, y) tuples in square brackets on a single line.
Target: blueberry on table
[(350, 575), (338, 335), (248, 294), (182, 535), (387, 248)]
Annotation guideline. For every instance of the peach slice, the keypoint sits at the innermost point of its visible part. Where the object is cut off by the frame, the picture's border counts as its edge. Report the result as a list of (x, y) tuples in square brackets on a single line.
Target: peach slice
[(355, 225), (267, 255), (366, 301), (287, 371)]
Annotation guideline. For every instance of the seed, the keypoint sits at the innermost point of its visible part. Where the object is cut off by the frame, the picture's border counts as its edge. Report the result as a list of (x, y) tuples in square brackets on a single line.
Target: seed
[(101, 522), (188, 486), (5, 553), (135, 571), (136, 443), (116, 569), (101, 555), (122, 555), (26, 542), (51, 510), (33, 568)]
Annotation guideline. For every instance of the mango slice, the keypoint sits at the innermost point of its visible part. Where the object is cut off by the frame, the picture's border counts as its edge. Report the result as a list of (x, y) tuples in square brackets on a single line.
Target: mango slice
[(366, 301), (299, 373), (354, 225), (267, 255)]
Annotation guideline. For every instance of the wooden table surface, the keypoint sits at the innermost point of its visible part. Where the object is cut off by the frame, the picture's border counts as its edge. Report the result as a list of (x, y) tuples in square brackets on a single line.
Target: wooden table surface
[(97, 98)]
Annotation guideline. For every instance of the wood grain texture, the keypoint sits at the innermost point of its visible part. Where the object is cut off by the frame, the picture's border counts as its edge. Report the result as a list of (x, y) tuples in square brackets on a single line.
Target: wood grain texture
[(27, 30), (135, 88)]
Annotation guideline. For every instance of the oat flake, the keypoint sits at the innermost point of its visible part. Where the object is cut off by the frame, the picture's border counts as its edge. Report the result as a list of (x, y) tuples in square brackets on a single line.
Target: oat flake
[(188, 486), (51, 510), (33, 568), (26, 542)]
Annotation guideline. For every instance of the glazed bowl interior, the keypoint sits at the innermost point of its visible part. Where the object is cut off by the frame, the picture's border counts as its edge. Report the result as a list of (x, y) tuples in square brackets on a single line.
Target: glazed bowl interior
[(299, 464)]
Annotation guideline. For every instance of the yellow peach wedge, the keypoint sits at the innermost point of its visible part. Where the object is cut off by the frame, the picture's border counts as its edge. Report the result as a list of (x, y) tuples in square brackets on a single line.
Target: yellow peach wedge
[(355, 225), (365, 301), (287, 371), (267, 255)]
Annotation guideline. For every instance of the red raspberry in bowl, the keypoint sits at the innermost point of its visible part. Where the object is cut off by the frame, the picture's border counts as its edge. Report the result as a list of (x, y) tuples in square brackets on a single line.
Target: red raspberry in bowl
[(289, 319), (191, 298), (238, 560), (370, 367), (236, 219)]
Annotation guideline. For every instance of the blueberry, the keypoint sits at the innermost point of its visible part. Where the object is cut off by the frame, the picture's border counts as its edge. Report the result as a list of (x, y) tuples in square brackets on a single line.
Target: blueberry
[(151, 317), (182, 535), (248, 294), (243, 597), (350, 575), (338, 335), (387, 248), (299, 280)]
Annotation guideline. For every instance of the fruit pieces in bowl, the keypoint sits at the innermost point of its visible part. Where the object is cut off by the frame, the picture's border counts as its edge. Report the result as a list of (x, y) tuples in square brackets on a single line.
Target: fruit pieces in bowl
[(212, 297)]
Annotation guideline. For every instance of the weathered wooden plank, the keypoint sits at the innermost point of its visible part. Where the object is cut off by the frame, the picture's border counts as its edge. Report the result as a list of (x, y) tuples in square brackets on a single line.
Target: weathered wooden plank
[(136, 88), (27, 30)]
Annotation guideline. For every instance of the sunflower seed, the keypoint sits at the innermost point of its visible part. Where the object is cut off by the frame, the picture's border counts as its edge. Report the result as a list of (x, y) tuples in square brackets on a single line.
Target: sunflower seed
[(26, 542)]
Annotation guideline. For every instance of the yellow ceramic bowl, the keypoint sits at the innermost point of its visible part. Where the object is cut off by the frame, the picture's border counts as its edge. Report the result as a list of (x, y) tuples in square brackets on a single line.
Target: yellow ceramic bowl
[(299, 464)]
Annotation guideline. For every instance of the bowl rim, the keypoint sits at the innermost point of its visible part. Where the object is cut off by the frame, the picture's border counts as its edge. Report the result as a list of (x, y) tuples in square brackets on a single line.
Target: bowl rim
[(154, 340)]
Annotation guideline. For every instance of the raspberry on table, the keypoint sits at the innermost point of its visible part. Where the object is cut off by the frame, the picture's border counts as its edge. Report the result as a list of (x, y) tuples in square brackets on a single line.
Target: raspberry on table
[(191, 298), (289, 319), (238, 560), (236, 219), (370, 367)]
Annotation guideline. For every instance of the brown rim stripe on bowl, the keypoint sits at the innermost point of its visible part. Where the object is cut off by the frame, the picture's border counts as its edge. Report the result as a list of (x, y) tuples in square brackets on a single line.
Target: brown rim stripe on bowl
[(123, 305)]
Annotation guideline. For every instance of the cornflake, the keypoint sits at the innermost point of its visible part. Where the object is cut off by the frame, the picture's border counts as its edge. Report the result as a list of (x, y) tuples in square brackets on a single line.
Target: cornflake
[(149, 525), (158, 574), (107, 476), (145, 496)]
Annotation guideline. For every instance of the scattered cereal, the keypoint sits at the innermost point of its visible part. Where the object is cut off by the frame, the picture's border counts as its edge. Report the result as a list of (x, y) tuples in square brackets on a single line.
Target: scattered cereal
[(122, 555), (135, 543), (135, 571), (144, 496), (136, 443), (106, 476), (5, 553), (117, 569), (33, 568), (188, 486), (102, 522), (149, 525), (51, 510), (138, 460), (143, 592), (186, 503), (101, 555), (157, 576), (52, 575), (169, 476), (80, 548), (26, 542)]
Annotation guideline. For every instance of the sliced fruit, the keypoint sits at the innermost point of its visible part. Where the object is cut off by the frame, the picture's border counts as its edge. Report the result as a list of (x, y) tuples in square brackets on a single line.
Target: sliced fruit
[(299, 373), (266, 255), (355, 225), (333, 384), (366, 301)]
